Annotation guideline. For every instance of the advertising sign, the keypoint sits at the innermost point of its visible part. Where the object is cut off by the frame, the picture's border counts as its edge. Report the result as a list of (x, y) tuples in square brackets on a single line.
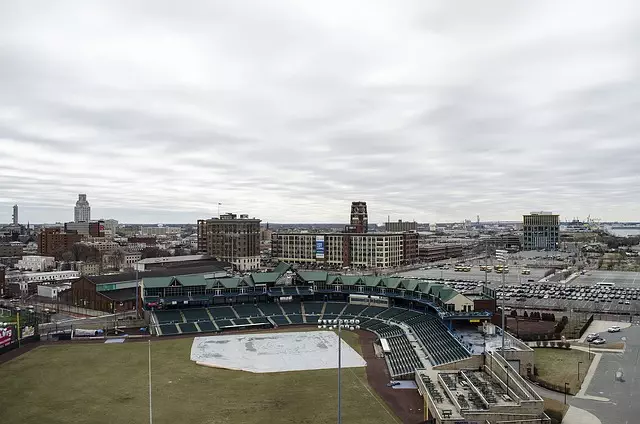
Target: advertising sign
[(319, 247), (6, 336)]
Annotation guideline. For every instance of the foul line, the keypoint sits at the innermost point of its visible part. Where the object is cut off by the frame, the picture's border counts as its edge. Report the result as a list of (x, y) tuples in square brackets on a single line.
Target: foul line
[(366, 386)]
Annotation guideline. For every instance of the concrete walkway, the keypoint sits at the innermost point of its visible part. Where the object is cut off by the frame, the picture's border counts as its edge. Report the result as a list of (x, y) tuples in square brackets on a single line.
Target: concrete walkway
[(579, 416)]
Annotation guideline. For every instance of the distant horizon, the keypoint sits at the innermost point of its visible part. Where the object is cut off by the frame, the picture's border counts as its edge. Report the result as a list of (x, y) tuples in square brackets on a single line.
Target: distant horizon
[(151, 224)]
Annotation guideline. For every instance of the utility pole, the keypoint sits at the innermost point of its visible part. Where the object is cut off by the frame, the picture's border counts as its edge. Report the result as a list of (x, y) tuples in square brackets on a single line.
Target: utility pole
[(501, 256)]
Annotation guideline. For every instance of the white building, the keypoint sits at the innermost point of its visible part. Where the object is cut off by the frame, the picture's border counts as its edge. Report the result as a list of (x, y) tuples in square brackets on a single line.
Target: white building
[(36, 263), (130, 259), (82, 211), (51, 291), (41, 277)]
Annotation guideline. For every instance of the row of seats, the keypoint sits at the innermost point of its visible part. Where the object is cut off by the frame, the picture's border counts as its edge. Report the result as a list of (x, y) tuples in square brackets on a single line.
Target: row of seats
[(205, 326), (402, 360), (439, 343)]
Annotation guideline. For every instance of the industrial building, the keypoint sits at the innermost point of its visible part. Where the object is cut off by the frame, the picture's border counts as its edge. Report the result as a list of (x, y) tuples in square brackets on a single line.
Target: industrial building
[(541, 231), (438, 252), (363, 250), (232, 239), (400, 226)]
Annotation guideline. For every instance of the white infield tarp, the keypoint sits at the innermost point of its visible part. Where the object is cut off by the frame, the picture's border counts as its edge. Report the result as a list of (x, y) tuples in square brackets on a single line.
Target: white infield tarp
[(274, 352)]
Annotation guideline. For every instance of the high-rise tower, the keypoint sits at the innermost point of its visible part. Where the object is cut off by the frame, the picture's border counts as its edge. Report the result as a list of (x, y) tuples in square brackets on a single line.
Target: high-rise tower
[(359, 222), (15, 214), (82, 211)]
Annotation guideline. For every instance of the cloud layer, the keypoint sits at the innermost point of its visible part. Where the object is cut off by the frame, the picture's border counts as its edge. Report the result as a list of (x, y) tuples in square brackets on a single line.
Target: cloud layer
[(289, 110)]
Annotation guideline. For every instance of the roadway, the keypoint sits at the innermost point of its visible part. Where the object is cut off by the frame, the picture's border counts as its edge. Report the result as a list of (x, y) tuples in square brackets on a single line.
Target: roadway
[(622, 406)]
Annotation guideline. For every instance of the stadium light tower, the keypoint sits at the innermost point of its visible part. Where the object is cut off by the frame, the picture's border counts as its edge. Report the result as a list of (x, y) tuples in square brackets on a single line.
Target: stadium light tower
[(339, 324), (502, 257)]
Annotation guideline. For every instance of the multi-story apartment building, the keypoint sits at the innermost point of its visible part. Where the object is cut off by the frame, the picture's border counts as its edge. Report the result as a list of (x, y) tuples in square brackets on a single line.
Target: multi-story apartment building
[(541, 231), (357, 250), (53, 241), (231, 238)]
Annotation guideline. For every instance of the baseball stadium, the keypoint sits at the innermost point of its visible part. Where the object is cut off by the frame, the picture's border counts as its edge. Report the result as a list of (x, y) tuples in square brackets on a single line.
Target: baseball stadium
[(287, 346)]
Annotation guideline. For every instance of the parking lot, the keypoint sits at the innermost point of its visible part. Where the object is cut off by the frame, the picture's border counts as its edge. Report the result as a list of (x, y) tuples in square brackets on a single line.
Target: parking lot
[(577, 297), (513, 277), (619, 278)]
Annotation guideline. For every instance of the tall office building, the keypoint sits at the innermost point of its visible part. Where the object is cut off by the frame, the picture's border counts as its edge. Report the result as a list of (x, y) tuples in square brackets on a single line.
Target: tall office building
[(82, 211), (231, 238), (15, 214), (541, 231), (359, 222)]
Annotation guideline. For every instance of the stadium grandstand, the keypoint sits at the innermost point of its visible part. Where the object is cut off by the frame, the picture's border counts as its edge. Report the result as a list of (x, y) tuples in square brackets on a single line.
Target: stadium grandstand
[(413, 319)]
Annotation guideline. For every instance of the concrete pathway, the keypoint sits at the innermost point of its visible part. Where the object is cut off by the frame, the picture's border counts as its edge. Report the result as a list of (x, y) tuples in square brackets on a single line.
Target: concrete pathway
[(579, 416)]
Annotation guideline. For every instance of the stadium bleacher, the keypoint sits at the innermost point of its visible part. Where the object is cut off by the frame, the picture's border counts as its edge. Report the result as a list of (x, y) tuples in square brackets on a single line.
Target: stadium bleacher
[(434, 338), (353, 310), (169, 316), (291, 308), (218, 312), (207, 326), (247, 311), (333, 308), (195, 315), (313, 308), (188, 327), (402, 360), (168, 329), (269, 309), (372, 311), (280, 320)]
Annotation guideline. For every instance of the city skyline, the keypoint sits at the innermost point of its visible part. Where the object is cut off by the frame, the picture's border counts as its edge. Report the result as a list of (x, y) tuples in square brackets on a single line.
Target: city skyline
[(290, 111)]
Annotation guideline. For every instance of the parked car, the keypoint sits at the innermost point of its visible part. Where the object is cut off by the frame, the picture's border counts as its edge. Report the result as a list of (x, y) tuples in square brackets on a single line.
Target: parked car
[(613, 329), (592, 336)]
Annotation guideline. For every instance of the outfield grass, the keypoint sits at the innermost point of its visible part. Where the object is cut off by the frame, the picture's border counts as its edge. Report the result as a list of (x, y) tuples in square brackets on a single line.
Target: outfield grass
[(559, 366), (108, 383)]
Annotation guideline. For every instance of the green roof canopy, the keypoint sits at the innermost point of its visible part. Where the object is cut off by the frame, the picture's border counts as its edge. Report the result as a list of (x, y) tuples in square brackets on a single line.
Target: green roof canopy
[(308, 276)]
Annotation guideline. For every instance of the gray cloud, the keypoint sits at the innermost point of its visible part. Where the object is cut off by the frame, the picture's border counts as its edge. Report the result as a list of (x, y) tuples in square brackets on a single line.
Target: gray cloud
[(290, 110)]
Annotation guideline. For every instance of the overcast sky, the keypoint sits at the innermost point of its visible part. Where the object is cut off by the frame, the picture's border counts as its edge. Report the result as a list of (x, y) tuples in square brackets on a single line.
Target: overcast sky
[(290, 110)]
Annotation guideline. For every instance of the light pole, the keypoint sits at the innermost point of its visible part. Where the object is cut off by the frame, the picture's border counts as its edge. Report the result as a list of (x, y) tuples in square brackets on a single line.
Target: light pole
[(150, 404), (501, 256), (579, 362), (565, 392), (350, 324)]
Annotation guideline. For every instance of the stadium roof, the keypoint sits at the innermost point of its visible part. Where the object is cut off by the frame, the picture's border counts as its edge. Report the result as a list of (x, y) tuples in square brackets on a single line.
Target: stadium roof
[(308, 276), (265, 277)]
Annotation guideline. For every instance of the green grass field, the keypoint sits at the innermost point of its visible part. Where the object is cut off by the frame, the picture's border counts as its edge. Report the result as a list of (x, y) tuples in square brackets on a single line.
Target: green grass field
[(108, 383), (559, 366)]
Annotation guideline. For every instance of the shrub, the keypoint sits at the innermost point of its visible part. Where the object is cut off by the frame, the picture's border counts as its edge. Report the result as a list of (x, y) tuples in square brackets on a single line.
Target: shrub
[(514, 313), (526, 315)]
